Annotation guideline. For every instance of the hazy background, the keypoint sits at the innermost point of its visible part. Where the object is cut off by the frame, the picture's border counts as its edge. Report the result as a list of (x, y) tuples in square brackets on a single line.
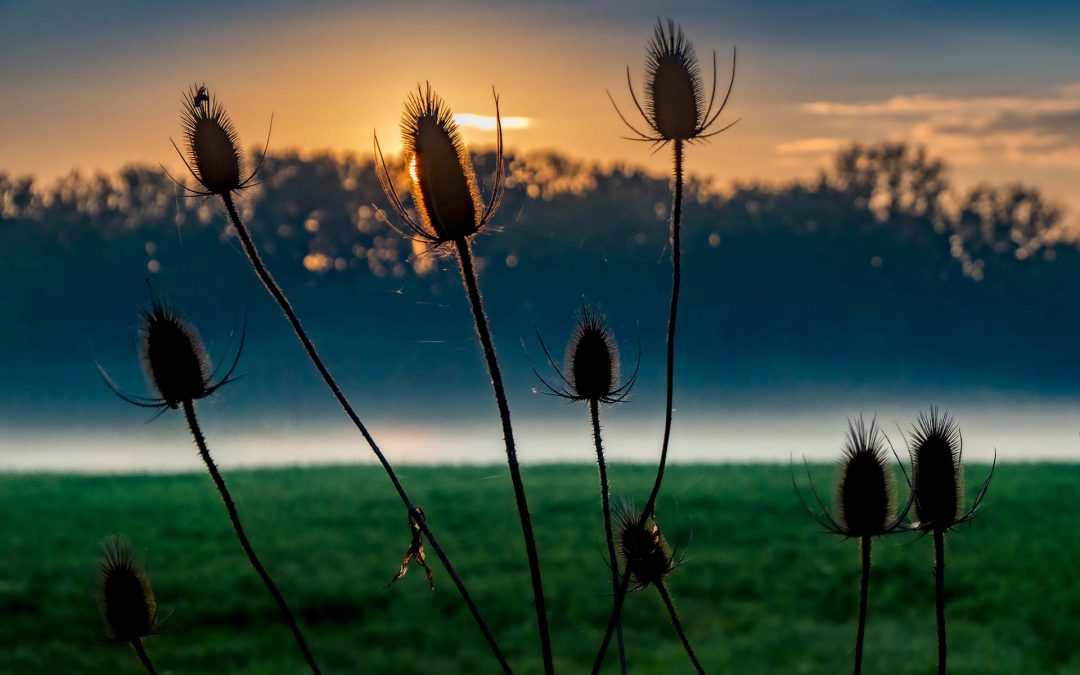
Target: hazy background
[(815, 289)]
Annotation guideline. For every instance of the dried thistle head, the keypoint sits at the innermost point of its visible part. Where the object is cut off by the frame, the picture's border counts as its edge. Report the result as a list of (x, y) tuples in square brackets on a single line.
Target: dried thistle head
[(173, 356), (937, 473), (864, 492), (864, 488), (441, 175), (125, 598), (174, 360), (592, 363), (592, 356), (675, 107), (642, 548), (213, 154)]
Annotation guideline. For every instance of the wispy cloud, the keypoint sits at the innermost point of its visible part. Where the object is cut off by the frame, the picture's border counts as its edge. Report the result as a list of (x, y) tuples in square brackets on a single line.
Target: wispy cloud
[(1034, 130), (489, 123), (812, 146)]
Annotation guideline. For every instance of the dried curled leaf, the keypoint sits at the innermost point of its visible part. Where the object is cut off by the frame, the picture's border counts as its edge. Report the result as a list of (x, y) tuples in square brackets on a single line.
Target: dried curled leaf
[(414, 552)]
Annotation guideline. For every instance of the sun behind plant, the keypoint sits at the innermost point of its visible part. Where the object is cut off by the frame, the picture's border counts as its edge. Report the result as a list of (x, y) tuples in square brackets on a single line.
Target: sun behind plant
[(215, 161), (451, 213)]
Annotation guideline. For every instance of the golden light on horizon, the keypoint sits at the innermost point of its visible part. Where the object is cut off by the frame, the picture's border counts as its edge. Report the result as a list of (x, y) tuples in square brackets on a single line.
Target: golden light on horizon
[(490, 123)]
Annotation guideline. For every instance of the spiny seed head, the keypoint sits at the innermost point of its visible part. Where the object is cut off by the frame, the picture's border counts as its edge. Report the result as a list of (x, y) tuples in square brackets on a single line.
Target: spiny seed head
[(124, 596), (213, 153), (864, 492), (937, 474), (592, 359), (173, 356), (642, 547), (674, 92), (441, 171)]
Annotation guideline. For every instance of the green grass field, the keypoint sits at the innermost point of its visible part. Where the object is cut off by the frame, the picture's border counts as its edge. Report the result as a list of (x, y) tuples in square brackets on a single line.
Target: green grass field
[(762, 590)]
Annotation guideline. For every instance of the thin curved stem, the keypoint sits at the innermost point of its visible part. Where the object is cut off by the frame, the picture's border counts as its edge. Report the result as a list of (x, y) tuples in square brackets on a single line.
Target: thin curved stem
[(864, 587), (676, 283), (939, 583), (219, 482), (468, 273), (605, 505), (662, 588), (144, 658), (279, 296)]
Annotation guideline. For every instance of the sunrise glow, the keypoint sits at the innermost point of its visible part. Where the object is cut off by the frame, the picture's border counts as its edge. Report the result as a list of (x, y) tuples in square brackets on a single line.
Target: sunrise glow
[(490, 123)]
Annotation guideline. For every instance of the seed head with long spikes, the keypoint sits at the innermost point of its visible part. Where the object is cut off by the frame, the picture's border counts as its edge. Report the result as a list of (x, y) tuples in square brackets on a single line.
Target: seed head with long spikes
[(675, 108), (124, 595), (937, 473), (592, 364), (441, 175), (865, 493), (643, 549), (174, 360), (213, 154)]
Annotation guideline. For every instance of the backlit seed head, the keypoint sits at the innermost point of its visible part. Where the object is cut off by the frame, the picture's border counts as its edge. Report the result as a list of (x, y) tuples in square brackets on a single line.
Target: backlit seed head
[(674, 92), (937, 473), (173, 356), (213, 153), (592, 359), (864, 492), (124, 595), (641, 545), (440, 169)]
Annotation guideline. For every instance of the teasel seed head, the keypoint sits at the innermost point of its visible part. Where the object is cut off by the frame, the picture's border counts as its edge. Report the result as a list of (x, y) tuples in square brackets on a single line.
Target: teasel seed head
[(592, 357), (865, 489), (213, 155), (173, 356), (173, 359), (674, 93), (642, 547), (865, 493), (675, 106), (937, 473), (124, 595), (441, 175), (592, 363)]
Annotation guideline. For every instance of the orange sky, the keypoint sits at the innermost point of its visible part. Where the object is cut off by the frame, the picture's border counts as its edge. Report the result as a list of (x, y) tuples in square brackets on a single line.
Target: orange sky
[(91, 91)]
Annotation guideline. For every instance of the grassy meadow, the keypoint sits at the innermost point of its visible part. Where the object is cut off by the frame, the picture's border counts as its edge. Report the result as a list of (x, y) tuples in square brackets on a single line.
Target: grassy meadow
[(762, 590)]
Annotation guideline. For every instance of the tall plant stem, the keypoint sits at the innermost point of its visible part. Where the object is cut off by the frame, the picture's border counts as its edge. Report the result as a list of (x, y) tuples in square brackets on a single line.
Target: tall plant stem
[(204, 452), (864, 587), (939, 583), (279, 296), (676, 283), (666, 597), (468, 273), (144, 658), (605, 505)]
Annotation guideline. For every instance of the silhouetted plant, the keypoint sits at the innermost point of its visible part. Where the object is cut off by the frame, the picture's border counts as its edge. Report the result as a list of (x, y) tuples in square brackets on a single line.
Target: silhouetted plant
[(451, 212), (676, 112), (214, 158), (126, 600), (865, 499), (592, 375), (937, 486), (648, 561), (177, 366)]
